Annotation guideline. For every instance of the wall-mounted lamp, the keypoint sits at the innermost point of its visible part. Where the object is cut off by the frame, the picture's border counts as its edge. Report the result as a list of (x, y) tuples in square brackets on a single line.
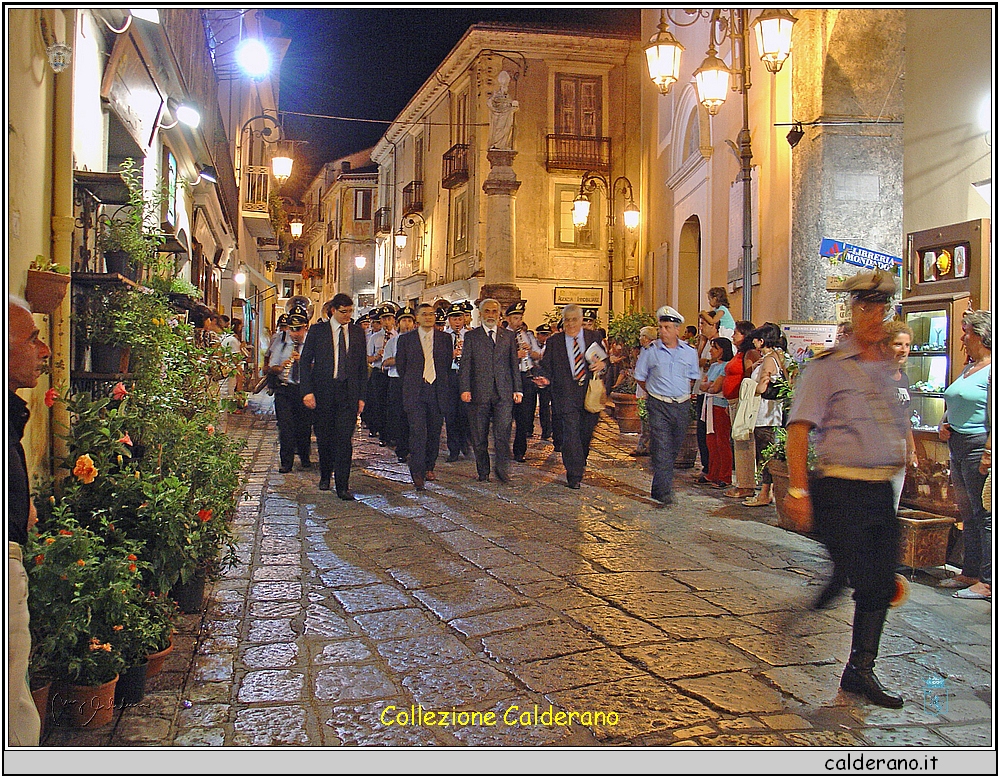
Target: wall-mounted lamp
[(150, 15), (239, 277), (295, 228), (206, 173), (360, 262), (795, 135), (185, 113), (253, 58), (408, 221)]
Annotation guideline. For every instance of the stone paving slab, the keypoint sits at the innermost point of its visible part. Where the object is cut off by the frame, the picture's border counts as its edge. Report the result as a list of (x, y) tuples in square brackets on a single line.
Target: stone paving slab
[(688, 623)]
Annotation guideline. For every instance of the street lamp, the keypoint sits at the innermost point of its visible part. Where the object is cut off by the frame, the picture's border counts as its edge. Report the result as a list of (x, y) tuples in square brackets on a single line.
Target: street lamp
[(663, 57), (630, 216), (270, 132), (407, 221), (295, 228), (773, 30)]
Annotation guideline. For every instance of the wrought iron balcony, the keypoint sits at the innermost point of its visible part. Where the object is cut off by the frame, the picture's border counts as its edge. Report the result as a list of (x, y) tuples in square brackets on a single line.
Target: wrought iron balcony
[(383, 221), (413, 197), (258, 187), (455, 166), (578, 152)]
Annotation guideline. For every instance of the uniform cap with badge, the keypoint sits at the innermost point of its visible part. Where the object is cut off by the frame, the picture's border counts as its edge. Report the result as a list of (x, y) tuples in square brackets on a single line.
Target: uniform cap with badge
[(543, 329), (406, 312), (440, 316), (283, 320), (456, 309), (387, 309), (518, 307), (590, 314), (666, 313), (298, 316)]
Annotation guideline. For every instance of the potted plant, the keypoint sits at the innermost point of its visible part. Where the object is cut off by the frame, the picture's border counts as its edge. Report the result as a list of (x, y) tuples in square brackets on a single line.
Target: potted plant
[(131, 238), (163, 613), (46, 284), (623, 336)]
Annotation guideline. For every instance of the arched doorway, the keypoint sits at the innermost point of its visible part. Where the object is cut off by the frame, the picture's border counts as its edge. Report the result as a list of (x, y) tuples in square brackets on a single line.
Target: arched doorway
[(689, 270)]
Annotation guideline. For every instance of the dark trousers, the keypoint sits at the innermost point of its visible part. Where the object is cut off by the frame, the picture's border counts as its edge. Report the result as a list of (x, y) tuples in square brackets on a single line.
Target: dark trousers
[(456, 419), (499, 411), (545, 411), (425, 431), (524, 416), (668, 424), (375, 397), (335, 419), (577, 429), (395, 418), (856, 520), (702, 436), (294, 425), (966, 451)]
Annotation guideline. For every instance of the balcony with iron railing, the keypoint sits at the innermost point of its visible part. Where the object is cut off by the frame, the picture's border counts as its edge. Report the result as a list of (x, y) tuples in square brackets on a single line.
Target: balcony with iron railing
[(578, 153), (383, 221), (455, 166), (413, 197), (256, 189)]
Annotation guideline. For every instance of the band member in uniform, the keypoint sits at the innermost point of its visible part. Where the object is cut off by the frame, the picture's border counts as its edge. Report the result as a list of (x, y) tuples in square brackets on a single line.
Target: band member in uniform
[(423, 359), (395, 415), (667, 372), (440, 319), (491, 384), (847, 395), (542, 332), (590, 323), (377, 382), (374, 327), (332, 378), (528, 354), (456, 415), (294, 418), (387, 316), (564, 367), (468, 308)]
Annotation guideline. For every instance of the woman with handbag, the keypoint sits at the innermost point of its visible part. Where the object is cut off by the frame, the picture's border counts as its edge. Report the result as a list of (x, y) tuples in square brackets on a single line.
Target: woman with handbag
[(767, 340), (716, 416), (738, 368)]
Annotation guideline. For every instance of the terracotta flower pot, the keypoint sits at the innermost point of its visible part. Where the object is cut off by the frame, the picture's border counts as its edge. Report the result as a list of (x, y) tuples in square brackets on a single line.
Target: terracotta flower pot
[(44, 290), (779, 477), (689, 448), (626, 412), (85, 707), (41, 698), (154, 662)]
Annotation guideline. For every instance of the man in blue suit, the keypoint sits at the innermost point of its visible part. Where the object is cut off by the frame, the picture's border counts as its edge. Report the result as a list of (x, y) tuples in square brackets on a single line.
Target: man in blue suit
[(332, 375)]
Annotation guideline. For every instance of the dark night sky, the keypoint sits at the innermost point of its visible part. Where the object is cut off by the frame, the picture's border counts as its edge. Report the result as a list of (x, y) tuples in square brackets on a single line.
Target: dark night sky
[(368, 63)]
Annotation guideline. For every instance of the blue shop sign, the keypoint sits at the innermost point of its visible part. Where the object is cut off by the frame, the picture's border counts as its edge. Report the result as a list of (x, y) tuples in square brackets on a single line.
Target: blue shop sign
[(856, 255)]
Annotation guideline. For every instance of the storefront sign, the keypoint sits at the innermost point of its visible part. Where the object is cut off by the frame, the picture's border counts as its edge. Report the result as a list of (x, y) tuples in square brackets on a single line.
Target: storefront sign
[(840, 251), (132, 91), (565, 295)]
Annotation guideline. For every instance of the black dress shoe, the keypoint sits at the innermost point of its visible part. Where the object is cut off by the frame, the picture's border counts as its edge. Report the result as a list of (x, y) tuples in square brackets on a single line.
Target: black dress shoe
[(381, 444), (573, 484), (485, 478), (324, 484), (418, 481), (284, 469), (453, 458), (307, 465), (519, 459), (346, 496), (401, 459), (503, 478)]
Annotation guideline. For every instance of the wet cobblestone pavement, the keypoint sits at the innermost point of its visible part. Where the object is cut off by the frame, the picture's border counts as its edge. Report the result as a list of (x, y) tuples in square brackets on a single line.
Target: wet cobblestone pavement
[(346, 622)]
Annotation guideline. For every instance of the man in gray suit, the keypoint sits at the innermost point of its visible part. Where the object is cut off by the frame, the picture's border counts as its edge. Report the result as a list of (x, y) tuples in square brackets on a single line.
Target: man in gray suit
[(489, 379)]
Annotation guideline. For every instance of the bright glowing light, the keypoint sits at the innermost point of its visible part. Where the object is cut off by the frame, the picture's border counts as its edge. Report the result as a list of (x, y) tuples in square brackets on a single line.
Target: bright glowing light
[(774, 37), (400, 239), (581, 211), (188, 114), (254, 58), (295, 228), (631, 215), (240, 277), (712, 80), (281, 167), (984, 115), (360, 262)]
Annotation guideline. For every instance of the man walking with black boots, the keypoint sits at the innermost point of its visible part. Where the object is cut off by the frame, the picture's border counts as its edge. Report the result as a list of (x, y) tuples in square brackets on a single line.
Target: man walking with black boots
[(456, 414), (542, 332), (294, 418), (848, 396), (528, 354)]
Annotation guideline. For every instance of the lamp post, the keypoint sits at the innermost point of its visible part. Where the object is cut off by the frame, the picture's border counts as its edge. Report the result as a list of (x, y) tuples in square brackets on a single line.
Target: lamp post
[(773, 29), (630, 216), (270, 132)]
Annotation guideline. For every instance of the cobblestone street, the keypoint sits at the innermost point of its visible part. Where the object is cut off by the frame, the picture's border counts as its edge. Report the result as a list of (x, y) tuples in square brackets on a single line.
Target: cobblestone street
[(347, 622)]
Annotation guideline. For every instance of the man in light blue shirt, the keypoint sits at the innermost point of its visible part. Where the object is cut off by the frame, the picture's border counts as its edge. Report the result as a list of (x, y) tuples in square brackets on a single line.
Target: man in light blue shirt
[(667, 371)]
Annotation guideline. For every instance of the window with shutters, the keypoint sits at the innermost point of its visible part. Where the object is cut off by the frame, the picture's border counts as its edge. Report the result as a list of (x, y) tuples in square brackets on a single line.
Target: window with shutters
[(362, 204), (460, 119), (578, 105)]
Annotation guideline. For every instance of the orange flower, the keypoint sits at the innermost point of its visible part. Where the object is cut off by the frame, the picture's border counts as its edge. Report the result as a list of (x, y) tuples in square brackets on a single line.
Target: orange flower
[(210, 429), (111, 528), (131, 568), (118, 627), (50, 397), (119, 392), (85, 469), (125, 439), (205, 514), (81, 563), (49, 541), (65, 532), (131, 557), (39, 559)]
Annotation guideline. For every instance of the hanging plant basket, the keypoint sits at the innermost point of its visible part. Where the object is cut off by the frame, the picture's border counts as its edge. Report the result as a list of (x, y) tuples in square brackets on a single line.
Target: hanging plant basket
[(45, 290)]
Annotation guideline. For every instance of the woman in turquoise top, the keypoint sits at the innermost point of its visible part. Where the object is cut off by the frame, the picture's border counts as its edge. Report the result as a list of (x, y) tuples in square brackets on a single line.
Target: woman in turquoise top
[(965, 427)]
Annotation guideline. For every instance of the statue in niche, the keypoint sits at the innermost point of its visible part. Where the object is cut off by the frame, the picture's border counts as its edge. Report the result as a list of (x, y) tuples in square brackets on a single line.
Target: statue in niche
[(502, 110)]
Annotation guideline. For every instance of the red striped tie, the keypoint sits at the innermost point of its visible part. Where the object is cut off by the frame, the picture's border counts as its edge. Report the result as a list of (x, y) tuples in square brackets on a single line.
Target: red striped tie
[(578, 370)]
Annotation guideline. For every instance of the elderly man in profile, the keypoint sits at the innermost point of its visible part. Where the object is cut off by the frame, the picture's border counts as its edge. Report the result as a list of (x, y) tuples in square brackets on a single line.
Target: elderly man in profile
[(26, 356), (667, 371), (565, 368)]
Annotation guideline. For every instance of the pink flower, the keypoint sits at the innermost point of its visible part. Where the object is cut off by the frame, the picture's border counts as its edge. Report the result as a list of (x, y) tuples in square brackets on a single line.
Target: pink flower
[(50, 397), (119, 392), (210, 429), (125, 439)]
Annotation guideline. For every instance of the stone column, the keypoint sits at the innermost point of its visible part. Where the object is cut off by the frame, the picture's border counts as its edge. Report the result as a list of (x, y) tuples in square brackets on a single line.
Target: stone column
[(498, 260)]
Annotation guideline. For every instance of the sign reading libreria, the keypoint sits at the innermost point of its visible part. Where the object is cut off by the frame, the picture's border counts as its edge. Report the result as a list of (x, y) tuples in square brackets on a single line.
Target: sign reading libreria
[(840, 251)]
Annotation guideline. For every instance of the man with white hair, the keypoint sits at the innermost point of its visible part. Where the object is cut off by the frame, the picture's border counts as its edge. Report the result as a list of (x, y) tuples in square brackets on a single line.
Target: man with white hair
[(666, 371), (26, 357)]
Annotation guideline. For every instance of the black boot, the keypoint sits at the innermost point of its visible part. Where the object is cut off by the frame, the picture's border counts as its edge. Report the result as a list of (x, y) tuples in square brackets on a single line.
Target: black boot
[(859, 675)]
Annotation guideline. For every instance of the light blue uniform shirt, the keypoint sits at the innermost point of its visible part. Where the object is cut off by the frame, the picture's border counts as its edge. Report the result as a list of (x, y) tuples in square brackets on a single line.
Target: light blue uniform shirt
[(390, 353), (668, 372)]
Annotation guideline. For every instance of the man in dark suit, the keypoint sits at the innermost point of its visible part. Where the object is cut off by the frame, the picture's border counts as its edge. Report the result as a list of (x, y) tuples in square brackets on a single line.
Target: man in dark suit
[(332, 375), (564, 368), (423, 359), (490, 382)]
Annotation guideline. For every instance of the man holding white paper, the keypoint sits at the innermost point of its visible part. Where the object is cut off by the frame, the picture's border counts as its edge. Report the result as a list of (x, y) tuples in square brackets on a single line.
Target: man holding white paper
[(565, 366)]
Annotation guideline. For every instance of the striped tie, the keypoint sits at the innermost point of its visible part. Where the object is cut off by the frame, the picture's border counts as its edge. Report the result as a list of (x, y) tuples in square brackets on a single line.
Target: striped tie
[(578, 370)]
